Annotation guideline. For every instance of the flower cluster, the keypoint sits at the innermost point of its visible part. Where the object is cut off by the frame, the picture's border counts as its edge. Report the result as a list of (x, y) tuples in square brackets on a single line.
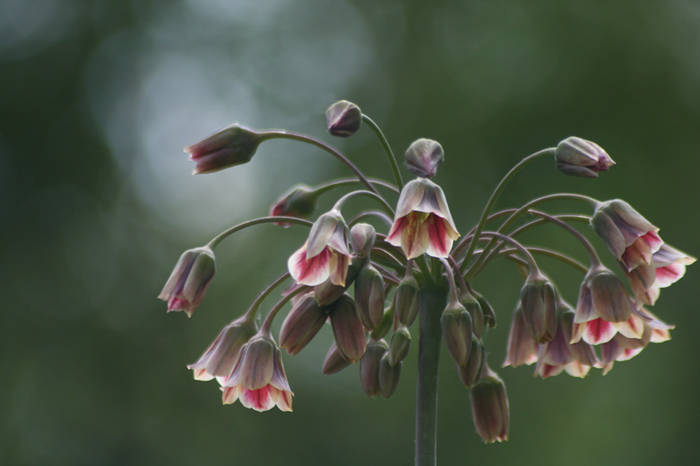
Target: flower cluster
[(370, 277)]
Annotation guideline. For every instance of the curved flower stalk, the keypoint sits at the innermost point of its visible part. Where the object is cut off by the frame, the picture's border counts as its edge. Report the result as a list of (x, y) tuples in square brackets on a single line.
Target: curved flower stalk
[(392, 270)]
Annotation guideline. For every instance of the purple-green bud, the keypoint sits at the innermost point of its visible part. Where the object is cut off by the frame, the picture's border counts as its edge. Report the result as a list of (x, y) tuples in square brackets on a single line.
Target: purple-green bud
[(334, 361), (230, 146), (387, 321), (302, 323), (490, 407), (343, 118), (469, 372), (347, 328), (457, 332), (406, 300), (188, 281), (388, 376), (538, 298), (369, 296), (424, 157), (579, 157), (299, 201), (369, 367), (471, 304), (400, 345), (362, 237)]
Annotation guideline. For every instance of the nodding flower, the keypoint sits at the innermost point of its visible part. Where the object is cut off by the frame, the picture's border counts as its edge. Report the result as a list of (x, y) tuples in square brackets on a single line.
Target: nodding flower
[(188, 281)]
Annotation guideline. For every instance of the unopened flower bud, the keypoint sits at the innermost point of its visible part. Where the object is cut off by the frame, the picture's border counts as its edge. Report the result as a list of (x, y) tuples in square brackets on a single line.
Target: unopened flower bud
[(406, 300), (457, 332), (302, 323), (230, 146), (334, 361), (362, 237), (300, 202), (487, 309), (490, 407), (471, 304), (469, 372), (221, 356), (327, 292), (424, 157), (369, 367), (579, 157), (538, 298), (369, 296), (387, 321), (189, 280), (343, 118), (388, 376), (347, 328), (400, 345)]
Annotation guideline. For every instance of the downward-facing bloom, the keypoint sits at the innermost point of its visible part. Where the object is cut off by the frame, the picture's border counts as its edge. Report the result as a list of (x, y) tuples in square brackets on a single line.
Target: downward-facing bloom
[(189, 280), (325, 254), (522, 347), (579, 157), (603, 309), (667, 267), (219, 359), (233, 145), (423, 222), (630, 237), (258, 379)]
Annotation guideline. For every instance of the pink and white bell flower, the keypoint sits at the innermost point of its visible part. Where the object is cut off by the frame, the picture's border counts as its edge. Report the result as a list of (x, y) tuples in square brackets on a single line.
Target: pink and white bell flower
[(258, 380), (667, 267), (325, 254), (631, 238), (423, 223), (603, 309), (188, 281)]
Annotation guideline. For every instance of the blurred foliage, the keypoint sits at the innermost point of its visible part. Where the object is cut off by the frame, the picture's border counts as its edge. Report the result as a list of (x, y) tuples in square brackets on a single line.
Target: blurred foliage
[(97, 100)]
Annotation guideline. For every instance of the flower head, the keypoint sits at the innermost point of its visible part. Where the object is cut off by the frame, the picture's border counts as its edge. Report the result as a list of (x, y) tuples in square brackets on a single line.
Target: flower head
[(230, 146), (325, 254), (258, 379), (603, 309), (579, 157), (423, 222), (221, 356), (630, 237), (189, 280)]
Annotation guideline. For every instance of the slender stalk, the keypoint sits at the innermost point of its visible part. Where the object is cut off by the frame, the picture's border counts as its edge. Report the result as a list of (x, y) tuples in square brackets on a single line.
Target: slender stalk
[(531, 260), (387, 148), (371, 213), (253, 309), (322, 145), (276, 308), (551, 253), (497, 192), (432, 302), (385, 205), (322, 188), (256, 221)]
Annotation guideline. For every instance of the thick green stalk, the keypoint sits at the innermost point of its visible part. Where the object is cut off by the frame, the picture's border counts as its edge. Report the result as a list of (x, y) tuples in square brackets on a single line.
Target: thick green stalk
[(432, 302)]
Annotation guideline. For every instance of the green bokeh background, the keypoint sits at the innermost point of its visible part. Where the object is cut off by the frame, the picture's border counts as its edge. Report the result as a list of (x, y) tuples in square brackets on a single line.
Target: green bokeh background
[(97, 100)]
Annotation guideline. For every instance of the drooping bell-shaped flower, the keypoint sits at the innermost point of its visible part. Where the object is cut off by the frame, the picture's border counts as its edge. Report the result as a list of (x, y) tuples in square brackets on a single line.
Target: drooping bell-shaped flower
[(630, 237), (230, 146), (538, 301), (325, 254), (222, 355), (299, 201), (258, 379), (579, 157), (667, 267), (603, 309), (490, 410), (423, 223), (423, 157), (522, 347), (188, 281)]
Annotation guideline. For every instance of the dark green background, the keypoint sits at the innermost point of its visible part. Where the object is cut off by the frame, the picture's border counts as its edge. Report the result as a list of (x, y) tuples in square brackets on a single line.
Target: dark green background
[(97, 100)]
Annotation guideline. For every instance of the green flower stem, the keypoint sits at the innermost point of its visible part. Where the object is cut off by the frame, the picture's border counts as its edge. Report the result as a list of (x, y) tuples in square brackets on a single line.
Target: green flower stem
[(322, 188), (279, 305), (256, 221), (464, 240), (519, 212), (371, 213), (386, 273), (431, 304), (387, 148), (363, 192), (454, 295), (530, 259), (546, 252), (253, 309), (391, 260), (499, 189), (283, 134)]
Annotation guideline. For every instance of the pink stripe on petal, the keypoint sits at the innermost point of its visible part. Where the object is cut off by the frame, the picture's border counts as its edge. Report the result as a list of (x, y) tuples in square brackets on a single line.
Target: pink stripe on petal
[(629, 353), (653, 240), (632, 327), (259, 400), (394, 236), (598, 331), (230, 394), (440, 241), (660, 335), (309, 272), (669, 274), (576, 369)]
